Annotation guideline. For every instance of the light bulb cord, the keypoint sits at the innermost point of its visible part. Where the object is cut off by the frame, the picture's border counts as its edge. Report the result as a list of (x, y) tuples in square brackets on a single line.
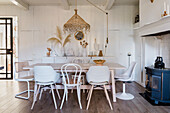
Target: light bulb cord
[(76, 4)]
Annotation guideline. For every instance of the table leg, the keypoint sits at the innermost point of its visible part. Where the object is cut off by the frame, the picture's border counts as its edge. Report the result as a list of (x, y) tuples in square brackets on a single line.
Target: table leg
[(113, 86)]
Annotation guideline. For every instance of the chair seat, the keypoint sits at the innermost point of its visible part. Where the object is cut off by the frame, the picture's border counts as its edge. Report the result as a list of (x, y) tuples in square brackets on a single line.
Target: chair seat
[(124, 79), (58, 81), (121, 76), (26, 78), (98, 83)]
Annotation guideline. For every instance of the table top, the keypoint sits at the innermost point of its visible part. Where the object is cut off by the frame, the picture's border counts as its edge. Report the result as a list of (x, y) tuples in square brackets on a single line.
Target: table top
[(85, 66), (1, 67)]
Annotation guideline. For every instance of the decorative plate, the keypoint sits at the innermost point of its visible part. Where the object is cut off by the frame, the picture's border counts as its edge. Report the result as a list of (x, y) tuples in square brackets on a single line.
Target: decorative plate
[(79, 35)]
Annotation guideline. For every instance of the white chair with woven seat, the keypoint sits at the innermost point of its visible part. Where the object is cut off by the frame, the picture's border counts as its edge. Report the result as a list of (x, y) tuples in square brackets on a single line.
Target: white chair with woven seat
[(45, 76), (28, 78), (71, 82), (79, 61), (98, 76), (126, 77)]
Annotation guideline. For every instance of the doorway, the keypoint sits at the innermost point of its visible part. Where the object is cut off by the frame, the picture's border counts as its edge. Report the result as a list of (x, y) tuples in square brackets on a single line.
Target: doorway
[(6, 48)]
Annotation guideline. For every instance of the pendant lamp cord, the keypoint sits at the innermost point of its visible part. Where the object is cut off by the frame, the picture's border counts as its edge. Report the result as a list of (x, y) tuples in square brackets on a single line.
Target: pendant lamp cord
[(107, 38), (76, 4)]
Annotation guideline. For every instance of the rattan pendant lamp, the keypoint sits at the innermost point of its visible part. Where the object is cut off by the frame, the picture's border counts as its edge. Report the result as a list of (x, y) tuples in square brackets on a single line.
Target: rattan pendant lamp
[(76, 23)]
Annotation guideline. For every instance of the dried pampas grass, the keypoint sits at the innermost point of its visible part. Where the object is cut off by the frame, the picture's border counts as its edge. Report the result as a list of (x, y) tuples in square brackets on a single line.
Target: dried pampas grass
[(67, 39), (59, 39)]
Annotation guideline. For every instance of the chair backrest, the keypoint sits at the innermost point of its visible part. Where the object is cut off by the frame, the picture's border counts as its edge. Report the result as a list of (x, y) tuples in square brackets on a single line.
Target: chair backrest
[(45, 74), (98, 74), (130, 69), (71, 67), (78, 60), (19, 66)]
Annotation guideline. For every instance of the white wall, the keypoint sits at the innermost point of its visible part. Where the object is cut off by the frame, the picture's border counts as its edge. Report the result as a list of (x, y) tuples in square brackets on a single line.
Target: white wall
[(165, 50), (151, 12), (39, 23)]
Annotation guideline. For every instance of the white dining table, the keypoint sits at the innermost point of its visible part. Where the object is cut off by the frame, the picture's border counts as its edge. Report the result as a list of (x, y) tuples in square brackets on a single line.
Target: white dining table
[(85, 68)]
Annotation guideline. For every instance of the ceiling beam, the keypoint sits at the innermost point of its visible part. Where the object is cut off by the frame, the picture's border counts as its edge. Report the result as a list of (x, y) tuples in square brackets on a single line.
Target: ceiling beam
[(65, 4), (20, 4), (109, 4)]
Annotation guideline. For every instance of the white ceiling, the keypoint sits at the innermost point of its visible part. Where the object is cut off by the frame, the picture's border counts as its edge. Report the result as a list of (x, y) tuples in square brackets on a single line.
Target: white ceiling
[(72, 2), (58, 2), (42, 2), (84, 2), (127, 2), (5, 2)]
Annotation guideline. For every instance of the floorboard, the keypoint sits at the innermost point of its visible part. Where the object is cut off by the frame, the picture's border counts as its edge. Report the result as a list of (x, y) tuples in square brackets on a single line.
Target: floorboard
[(99, 103)]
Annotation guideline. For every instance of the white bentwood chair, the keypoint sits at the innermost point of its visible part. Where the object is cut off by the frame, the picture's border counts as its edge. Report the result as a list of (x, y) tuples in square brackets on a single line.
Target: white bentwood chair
[(28, 78), (98, 76), (71, 81), (128, 76), (45, 76), (80, 61)]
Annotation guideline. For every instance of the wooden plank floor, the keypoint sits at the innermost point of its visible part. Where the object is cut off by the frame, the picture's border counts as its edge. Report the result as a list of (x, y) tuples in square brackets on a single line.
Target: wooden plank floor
[(99, 104)]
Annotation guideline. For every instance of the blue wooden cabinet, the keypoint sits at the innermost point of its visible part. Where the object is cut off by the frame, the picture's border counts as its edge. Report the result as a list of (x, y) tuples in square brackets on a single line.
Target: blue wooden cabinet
[(158, 84)]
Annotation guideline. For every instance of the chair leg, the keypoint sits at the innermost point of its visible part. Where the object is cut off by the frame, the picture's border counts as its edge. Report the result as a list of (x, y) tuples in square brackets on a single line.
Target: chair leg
[(66, 94), (35, 97), (57, 92), (50, 91), (107, 96), (41, 91), (72, 87), (124, 88), (79, 96), (53, 96), (28, 91), (91, 91), (88, 94), (72, 90), (123, 95), (35, 90), (63, 98), (83, 84)]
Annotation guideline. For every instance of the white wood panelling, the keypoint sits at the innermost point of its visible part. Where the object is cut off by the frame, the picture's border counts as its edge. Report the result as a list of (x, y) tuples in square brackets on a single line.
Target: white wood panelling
[(151, 12), (39, 23), (65, 4), (150, 22)]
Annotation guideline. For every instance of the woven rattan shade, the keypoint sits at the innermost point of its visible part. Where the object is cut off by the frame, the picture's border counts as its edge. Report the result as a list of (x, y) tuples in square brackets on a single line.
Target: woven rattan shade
[(76, 23)]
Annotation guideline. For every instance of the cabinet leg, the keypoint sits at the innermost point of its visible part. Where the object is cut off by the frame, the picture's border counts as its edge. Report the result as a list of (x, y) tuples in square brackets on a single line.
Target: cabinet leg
[(156, 102)]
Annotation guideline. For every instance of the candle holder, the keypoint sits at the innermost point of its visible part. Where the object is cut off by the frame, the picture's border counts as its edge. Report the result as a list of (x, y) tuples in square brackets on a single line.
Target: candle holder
[(165, 14), (129, 55)]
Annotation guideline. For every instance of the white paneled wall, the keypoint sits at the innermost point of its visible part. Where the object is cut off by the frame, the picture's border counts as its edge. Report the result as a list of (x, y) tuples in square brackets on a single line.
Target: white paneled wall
[(165, 50), (39, 23), (151, 12), (150, 50)]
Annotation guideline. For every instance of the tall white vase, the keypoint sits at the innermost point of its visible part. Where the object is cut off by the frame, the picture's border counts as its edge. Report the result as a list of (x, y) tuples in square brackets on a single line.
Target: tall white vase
[(84, 52)]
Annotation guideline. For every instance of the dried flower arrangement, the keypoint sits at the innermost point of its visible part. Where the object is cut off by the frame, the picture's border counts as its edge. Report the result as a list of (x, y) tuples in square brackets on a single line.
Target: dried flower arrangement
[(84, 44)]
